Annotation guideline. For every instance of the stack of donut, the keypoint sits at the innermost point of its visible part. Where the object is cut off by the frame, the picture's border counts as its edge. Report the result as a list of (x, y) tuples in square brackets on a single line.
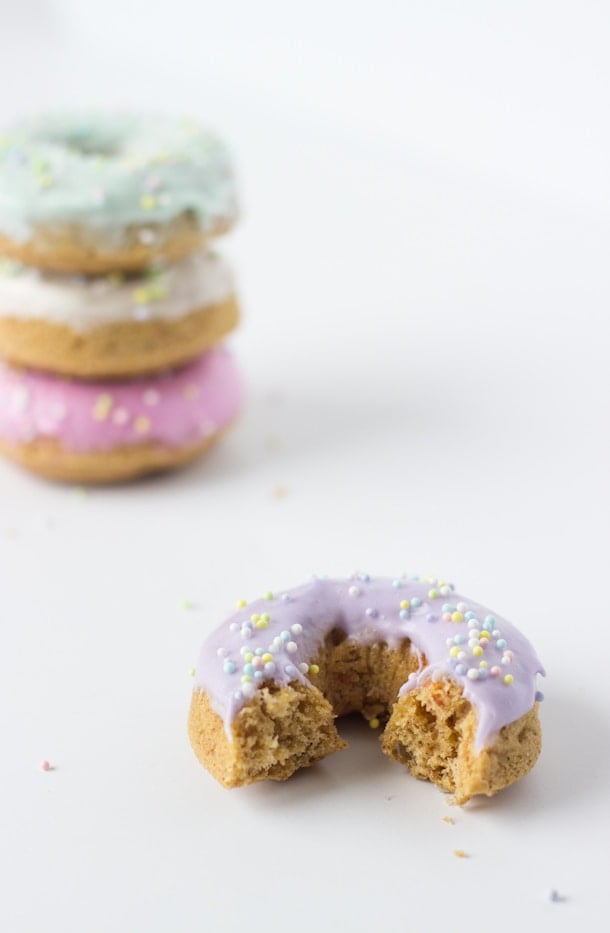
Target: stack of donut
[(112, 304)]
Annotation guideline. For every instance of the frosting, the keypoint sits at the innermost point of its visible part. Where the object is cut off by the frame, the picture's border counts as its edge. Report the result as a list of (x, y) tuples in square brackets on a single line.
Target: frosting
[(277, 638), (164, 292), (109, 171), (174, 409)]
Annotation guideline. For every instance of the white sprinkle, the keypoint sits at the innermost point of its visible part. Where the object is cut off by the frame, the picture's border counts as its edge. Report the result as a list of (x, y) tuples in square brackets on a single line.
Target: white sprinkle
[(354, 591), (151, 397), (291, 647), (147, 236), (296, 629)]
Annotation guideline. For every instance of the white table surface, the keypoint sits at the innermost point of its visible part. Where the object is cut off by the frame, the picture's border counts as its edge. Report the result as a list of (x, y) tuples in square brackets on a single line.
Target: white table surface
[(423, 265)]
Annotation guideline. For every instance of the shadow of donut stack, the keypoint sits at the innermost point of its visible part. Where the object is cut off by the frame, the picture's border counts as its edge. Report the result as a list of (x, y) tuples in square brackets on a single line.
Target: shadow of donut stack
[(113, 305)]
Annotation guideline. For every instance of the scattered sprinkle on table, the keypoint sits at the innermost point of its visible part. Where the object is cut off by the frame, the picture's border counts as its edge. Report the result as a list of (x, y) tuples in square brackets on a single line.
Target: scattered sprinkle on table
[(46, 765), (459, 853)]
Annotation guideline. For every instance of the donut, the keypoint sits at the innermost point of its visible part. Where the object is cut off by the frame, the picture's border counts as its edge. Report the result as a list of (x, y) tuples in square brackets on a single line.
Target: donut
[(100, 431), (453, 684), (113, 325), (104, 193)]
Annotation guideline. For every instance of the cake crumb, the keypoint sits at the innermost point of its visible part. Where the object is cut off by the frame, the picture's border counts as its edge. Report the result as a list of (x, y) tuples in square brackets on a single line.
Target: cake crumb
[(448, 819), (279, 492), (459, 853)]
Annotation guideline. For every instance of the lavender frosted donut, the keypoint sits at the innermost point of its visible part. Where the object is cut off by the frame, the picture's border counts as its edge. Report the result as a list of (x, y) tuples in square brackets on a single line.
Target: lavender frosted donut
[(109, 431), (453, 683)]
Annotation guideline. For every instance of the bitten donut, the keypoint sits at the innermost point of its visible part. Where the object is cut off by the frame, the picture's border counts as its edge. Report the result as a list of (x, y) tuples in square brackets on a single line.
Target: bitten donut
[(113, 325), (454, 683), (109, 431), (103, 193)]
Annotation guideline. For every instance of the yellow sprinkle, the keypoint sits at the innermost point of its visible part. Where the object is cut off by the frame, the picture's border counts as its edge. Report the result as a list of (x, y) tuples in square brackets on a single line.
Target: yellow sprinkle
[(248, 656), (483, 664), (191, 671), (241, 603), (457, 617), (454, 651), (477, 652), (140, 295), (266, 617), (101, 409), (314, 669), (405, 604), (255, 617), (433, 594), (148, 201), (262, 623), (267, 657), (508, 679), (141, 425), (374, 723), (246, 679), (268, 595)]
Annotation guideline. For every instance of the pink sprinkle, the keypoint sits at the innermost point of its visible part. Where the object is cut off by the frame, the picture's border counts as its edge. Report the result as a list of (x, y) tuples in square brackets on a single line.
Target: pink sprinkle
[(46, 765)]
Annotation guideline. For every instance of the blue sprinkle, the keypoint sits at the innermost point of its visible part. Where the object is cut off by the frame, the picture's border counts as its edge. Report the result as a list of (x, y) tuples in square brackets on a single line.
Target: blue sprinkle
[(431, 617), (458, 639), (258, 675), (291, 670), (501, 643), (470, 615), (460, 669), (539, 696), (416, 601), (229, 667), (491, 620), (447, 607), (396, 584), (404, 614), (285, 636), (248, 669)]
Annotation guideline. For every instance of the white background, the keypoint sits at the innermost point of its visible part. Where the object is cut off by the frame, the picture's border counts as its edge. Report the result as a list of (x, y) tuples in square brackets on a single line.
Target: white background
[(423, 265)]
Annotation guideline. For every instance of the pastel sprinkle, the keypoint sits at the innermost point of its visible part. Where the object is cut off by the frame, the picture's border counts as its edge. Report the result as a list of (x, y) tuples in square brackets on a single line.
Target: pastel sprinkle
[(142, 424), (241, 604), (46, 765), (102, 406), (374, 723), (508, 679)]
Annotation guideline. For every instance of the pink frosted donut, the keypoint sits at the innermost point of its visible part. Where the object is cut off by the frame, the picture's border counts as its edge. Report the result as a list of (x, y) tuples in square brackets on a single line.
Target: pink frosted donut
[(109, 431)]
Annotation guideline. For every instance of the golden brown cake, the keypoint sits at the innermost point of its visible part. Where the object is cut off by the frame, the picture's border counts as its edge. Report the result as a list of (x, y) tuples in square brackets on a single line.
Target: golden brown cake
[(452, 684)]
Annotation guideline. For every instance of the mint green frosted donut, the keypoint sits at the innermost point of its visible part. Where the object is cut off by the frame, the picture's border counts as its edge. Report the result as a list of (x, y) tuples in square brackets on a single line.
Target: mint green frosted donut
[(108, 172)]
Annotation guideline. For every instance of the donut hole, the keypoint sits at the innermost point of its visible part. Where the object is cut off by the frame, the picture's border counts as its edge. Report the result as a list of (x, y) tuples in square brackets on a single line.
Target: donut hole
[(84, 145), (80, 139)]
